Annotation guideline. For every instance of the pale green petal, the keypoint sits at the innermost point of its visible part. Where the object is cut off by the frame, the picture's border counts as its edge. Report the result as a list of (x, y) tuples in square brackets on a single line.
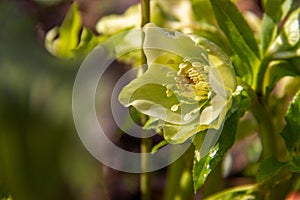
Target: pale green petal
[(171, 41), (212, 112), (130, 19), (224, 79), (148, 95), (221, 68), (180, 133), (115, 23)]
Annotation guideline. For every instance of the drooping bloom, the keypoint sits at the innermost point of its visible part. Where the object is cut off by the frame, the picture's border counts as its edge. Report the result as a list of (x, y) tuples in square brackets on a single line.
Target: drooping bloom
[(187, 87)]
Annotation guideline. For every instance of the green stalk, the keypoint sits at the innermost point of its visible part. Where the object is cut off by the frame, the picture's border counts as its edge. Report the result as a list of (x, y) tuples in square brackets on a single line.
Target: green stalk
[(146, 143), (219, 195), (265, 123), (259, 84), (145, 178), (145, 12), (261, 113), (266, 127), (179, 184)]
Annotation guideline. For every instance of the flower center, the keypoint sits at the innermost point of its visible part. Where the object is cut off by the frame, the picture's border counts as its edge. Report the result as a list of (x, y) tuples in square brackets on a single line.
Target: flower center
[(193, 80), (191, 84)]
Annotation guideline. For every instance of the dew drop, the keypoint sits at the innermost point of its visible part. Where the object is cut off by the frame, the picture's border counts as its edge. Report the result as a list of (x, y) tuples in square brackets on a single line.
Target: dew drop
[(206, 68), (195, 110), (213, 153), (174, 107), (197, 154), (187, 117), (169, 93), (204, 56)]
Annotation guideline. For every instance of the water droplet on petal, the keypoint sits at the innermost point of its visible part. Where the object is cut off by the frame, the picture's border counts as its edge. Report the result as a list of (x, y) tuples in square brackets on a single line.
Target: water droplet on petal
[(206, 68), (174, 107), (169, 93), (187, 117), (204, 56), (196, 110)]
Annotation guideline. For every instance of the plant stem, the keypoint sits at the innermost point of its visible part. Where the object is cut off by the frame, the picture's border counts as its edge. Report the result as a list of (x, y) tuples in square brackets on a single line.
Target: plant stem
[(219, 195), (145, 8), (145, 178), (264, 120), (179, 184), (145, 12), (146, 143), (261, 75), (267, 132), (261, 113)]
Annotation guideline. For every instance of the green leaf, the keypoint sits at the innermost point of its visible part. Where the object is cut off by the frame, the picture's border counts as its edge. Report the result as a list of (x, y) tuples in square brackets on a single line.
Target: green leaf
[(203, 167), (278, 70), (291, 131), (228, 133), (241, 101), (88, 41), (69, 31), (291, 134), (268, 32), (268, 169), (286, 44), (242, 69), (295, 164), (245, 192), (294, 65), (68, 34), (275, 10), (203, 11), (214, 34), (237, 30)]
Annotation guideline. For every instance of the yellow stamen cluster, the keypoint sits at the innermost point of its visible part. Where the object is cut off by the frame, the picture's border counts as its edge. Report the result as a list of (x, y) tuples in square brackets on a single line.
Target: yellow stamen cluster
[(191, 85), (196, 80)]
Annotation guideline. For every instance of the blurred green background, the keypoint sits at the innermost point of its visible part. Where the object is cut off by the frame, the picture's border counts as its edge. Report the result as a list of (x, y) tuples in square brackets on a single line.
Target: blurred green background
[(41, 156)]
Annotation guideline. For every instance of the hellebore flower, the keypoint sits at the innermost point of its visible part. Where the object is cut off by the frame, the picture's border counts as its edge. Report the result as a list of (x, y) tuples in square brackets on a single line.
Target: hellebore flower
[(187, 87)]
